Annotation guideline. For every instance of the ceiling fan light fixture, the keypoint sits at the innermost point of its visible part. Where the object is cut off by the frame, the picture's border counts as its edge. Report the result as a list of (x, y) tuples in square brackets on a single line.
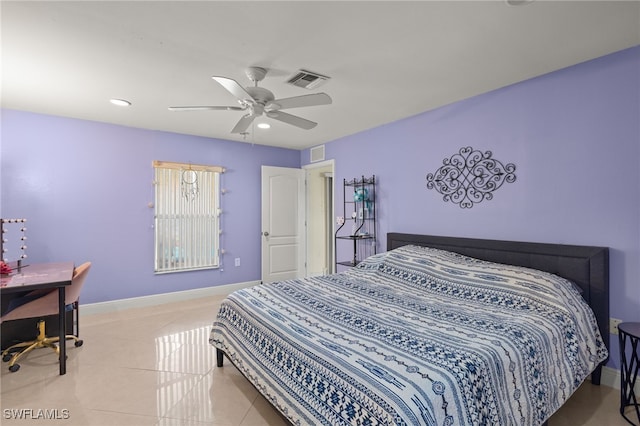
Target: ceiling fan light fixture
[(120, 102), (264, 125)]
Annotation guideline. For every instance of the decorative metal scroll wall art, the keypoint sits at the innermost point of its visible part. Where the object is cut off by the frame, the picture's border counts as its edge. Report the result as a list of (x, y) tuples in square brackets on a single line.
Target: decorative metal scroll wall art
[(470, 177)]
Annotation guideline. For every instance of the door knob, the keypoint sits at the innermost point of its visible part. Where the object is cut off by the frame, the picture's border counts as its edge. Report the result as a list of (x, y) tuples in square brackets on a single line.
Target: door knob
[(265, 233)]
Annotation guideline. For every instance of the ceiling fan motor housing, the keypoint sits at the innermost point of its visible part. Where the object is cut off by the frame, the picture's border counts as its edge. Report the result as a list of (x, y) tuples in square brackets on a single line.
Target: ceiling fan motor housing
[(260, 95)]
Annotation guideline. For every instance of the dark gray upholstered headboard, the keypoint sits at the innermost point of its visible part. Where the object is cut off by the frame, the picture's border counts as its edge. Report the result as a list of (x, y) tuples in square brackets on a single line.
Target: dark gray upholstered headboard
[(586, 266)]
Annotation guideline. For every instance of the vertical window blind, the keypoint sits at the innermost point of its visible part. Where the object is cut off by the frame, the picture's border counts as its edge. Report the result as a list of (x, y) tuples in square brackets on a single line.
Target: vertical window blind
[(187, 216)]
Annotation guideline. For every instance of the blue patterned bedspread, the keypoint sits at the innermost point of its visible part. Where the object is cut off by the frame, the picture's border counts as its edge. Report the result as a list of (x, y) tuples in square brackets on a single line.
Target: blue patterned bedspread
[(414, 336)]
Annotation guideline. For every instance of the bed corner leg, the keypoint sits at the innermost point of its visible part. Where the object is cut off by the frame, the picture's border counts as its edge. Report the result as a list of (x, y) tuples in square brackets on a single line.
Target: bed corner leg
[(596, 374), (219, 357)]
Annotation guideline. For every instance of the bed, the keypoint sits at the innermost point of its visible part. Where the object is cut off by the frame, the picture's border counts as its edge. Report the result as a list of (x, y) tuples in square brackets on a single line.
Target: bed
[(435, 331)]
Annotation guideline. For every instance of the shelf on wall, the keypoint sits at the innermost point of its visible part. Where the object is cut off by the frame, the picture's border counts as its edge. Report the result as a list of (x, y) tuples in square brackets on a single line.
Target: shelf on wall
[(355, 237), (348, 263)]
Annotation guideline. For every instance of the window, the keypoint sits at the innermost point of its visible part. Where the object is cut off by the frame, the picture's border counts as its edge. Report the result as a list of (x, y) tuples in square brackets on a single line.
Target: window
[(187, 216)]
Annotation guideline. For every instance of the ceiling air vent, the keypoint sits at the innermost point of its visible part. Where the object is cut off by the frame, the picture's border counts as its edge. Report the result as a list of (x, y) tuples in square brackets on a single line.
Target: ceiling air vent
[(307, 79)]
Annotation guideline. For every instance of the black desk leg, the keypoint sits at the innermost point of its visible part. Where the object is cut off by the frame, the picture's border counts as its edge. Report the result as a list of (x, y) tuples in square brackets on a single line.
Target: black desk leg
[(62, 343)]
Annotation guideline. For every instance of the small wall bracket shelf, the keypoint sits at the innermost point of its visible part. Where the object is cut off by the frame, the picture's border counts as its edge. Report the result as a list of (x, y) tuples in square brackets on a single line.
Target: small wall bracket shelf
[(358, 224)]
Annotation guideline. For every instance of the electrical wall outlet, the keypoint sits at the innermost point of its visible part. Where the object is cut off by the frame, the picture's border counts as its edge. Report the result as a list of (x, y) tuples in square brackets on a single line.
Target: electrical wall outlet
[(613, 325), (237, 261)]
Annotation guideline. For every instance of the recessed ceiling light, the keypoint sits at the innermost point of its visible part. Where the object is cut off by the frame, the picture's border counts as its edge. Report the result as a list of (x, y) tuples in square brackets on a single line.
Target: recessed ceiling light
[(264, 125), (519, 2), (120, 102)]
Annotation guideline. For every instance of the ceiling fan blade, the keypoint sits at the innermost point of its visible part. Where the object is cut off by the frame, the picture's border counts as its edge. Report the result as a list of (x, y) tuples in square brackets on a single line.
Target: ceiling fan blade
[(244, 123), (294, 120), (235, 89), (300, 101), (205, 107)]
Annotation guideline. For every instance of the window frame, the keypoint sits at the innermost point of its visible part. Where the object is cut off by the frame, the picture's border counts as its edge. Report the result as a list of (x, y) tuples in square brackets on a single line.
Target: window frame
[(178, 217)]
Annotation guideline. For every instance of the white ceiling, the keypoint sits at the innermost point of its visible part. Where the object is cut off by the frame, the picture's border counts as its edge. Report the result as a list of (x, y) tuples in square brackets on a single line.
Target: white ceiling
[(387, 60)]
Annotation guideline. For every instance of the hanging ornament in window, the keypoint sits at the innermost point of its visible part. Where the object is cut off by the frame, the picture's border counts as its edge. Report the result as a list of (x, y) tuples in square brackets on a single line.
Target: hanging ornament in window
[(189, 184)]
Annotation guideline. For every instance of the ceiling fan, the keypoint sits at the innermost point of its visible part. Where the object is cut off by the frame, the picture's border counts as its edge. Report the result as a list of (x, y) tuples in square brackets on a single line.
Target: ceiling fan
[(258, 101)]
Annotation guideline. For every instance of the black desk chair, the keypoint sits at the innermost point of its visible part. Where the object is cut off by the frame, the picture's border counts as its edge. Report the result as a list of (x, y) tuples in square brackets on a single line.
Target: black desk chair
[(41, 307)]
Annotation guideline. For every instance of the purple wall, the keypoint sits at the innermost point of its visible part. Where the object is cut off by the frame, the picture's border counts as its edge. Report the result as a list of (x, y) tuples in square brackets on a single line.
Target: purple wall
[(574, 136), (84, 188)]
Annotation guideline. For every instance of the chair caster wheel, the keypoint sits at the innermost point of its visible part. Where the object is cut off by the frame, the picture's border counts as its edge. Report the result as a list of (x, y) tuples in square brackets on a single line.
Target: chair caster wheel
[(14, 368), (7, 357), (78, 343)]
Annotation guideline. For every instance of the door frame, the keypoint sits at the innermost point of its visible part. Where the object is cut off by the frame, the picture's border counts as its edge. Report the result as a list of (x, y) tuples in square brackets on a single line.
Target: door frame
[(307, 168)]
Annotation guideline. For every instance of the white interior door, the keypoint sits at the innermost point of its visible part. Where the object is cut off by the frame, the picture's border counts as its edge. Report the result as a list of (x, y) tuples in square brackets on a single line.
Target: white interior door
[(283, 215)]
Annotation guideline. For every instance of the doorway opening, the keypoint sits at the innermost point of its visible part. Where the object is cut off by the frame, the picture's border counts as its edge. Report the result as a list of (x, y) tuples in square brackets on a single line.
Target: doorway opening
[(320, 213)]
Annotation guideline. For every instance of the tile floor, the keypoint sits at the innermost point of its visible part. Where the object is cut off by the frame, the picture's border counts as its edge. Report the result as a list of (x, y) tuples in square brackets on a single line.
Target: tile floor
[(154, 366)]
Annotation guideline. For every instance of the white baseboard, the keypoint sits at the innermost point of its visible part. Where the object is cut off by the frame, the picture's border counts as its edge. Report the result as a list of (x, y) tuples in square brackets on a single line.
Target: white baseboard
[(158, 299), (611, 377)]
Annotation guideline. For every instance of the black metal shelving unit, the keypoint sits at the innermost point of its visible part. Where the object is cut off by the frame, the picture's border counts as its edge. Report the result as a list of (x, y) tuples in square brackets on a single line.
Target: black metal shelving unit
[(359, 226)]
